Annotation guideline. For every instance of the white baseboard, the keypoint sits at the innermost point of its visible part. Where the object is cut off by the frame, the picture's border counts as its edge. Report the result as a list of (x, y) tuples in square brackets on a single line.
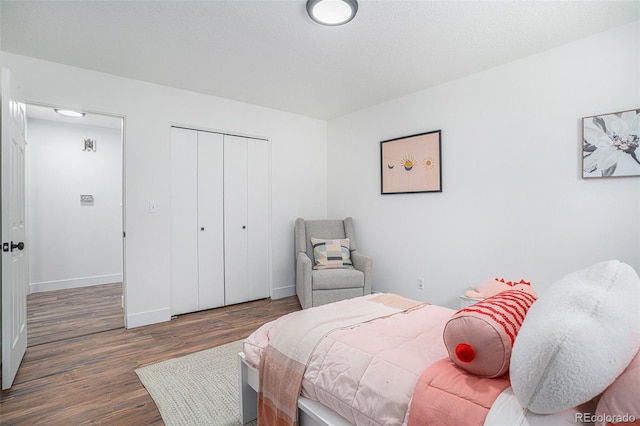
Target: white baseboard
[(147, 318), (280, 292), (74, 283)]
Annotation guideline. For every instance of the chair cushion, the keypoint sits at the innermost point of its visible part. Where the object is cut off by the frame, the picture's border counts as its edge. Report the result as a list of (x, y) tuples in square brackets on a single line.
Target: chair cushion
[(329, 279), (331, 254)]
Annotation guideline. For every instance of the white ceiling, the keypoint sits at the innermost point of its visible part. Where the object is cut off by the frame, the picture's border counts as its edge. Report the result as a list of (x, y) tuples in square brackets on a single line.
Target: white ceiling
[(47, 113), (269, 52)]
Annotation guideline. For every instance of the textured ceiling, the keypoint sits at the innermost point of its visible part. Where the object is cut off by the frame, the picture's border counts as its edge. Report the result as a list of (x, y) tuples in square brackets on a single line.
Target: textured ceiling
[(270, 53)]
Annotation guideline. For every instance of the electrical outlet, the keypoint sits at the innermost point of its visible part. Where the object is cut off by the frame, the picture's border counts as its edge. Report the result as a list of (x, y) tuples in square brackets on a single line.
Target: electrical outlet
[(420, 283)]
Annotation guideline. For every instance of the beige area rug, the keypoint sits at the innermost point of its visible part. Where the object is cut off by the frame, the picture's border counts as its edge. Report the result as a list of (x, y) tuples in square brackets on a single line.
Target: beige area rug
[(197, 389)]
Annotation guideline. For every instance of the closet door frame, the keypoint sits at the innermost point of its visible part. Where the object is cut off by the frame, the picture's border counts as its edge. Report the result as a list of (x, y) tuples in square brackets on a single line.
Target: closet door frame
[(260, 251)]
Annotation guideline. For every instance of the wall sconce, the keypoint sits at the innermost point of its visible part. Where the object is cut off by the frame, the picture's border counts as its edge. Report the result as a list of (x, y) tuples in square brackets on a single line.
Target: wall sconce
[(90, 145)]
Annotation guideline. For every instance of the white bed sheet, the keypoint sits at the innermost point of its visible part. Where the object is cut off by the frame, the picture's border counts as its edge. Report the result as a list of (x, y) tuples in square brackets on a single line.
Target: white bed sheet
[(506, 410)]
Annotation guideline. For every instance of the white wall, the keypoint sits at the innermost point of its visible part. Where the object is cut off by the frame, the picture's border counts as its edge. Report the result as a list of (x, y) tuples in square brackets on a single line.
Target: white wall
[(298, 149), (73, 244), (513, 203)]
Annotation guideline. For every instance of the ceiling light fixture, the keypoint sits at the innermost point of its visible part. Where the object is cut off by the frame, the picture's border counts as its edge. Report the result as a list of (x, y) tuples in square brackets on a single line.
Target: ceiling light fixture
[(69, 113), (332, 12)]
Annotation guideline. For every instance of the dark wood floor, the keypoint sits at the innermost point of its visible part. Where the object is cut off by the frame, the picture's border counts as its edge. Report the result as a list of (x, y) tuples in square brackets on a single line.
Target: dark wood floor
[(64, 314), (90, 379)]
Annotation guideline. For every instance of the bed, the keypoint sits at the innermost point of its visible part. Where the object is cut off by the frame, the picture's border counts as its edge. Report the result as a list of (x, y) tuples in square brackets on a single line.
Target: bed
[(382, 359)]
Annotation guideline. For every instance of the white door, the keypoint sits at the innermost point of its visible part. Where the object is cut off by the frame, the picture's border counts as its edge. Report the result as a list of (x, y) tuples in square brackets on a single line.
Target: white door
[(15, 278), (210, 221), (258, 219), (184, 221), (246, 220), (236, 279), (197, 233)]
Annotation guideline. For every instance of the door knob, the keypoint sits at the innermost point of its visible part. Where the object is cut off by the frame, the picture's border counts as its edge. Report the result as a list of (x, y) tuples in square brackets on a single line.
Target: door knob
[(19, 246), (244, 227)]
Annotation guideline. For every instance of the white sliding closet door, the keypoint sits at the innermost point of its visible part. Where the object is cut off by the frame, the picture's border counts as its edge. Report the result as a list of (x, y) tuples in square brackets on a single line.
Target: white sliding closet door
[(236, 231), (258, 160), (184, 221), (197, 237), (246, 206), (220, 201), (210, 220)]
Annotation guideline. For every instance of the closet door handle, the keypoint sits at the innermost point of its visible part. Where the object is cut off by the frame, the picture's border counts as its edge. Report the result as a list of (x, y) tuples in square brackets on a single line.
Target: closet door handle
[(19, 246), (244, 226)]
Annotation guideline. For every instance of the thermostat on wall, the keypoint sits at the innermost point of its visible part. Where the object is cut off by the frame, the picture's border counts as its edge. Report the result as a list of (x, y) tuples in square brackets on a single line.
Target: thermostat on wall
[(86, 198)]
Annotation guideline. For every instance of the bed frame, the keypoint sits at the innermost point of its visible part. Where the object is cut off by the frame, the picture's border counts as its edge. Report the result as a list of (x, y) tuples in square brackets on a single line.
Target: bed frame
[(310, 413)]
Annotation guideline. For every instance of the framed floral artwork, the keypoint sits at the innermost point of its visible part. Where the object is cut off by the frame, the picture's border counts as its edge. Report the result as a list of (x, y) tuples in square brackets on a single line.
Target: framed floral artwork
[(610, 144), (411, 164)]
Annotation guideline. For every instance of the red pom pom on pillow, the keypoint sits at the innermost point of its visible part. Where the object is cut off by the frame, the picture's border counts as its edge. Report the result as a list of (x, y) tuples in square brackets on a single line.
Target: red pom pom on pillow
[(479, 338), (465, 353)]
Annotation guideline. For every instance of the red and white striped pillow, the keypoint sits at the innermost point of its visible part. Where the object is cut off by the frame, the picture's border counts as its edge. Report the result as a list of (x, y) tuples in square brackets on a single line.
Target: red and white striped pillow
[(479, 338)]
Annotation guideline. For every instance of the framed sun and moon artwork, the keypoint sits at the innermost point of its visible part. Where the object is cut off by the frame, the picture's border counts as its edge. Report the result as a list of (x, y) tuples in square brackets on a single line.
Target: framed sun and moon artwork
[(610, 144), (411, 164)]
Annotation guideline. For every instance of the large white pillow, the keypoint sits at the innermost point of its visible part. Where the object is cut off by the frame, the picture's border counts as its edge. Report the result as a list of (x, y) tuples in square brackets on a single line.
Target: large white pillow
[(577, 338)]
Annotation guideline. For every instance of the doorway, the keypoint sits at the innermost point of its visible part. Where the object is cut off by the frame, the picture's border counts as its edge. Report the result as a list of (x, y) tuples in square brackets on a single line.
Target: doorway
[(75, 224)]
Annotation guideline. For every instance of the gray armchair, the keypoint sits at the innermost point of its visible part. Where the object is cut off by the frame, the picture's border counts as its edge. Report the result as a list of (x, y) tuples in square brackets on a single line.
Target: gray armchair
[(318, 287)]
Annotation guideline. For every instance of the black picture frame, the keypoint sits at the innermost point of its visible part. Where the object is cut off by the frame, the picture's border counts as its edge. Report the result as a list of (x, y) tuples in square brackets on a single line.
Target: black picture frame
[(411, 164)]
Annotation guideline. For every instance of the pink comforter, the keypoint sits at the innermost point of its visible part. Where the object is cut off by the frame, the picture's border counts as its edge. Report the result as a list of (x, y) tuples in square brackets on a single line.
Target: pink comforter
[(447, 395), (367, 373)]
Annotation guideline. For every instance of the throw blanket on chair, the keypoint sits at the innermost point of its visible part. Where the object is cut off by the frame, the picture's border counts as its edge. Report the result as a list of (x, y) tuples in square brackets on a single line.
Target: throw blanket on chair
[(292, 343)]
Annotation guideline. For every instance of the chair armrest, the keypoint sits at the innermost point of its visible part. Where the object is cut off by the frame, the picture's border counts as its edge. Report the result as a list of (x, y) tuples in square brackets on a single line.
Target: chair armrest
[(364, 264), (303, 279)]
